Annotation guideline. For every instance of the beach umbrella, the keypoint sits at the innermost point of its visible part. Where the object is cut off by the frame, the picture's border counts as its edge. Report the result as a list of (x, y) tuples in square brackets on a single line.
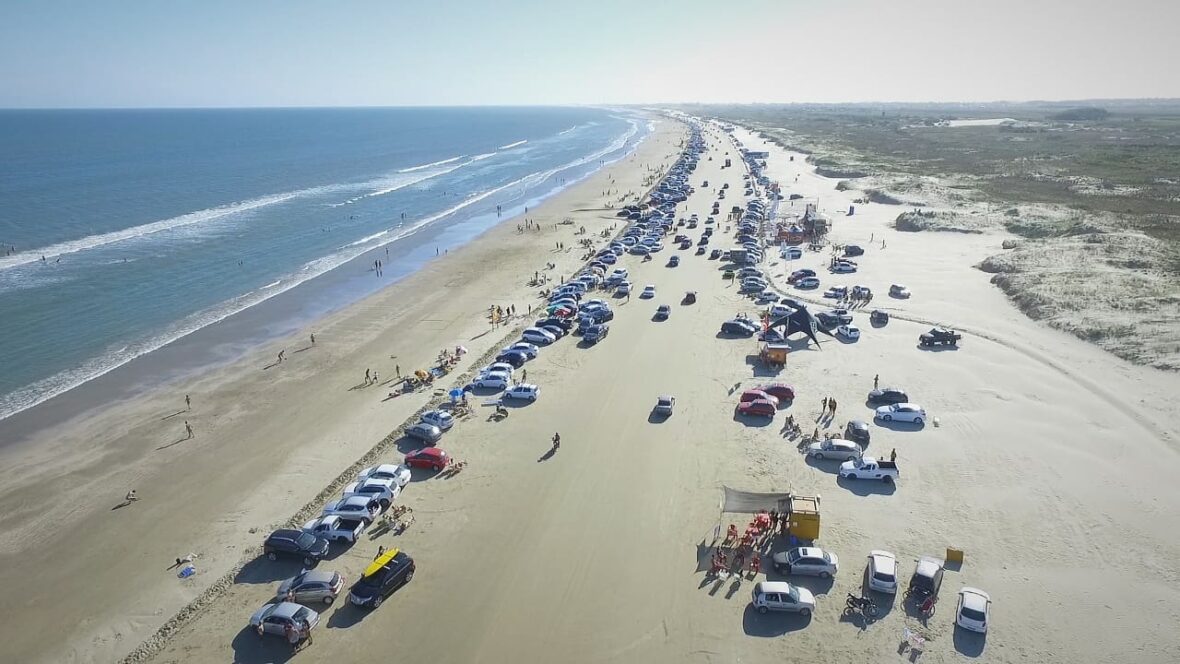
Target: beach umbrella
[(456, 394)]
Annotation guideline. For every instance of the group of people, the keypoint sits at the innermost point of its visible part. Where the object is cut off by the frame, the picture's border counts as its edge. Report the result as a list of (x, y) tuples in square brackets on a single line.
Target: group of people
[(828, 407)]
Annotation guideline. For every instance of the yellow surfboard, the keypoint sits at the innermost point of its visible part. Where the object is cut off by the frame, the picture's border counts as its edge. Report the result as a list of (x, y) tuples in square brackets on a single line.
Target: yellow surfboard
[(380, 561)]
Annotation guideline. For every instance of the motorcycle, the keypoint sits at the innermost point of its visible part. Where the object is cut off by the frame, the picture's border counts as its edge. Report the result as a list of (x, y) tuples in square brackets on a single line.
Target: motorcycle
[(862, 605)]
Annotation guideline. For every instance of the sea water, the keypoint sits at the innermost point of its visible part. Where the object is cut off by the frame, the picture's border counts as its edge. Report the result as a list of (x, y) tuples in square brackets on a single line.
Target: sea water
[(123, 231)]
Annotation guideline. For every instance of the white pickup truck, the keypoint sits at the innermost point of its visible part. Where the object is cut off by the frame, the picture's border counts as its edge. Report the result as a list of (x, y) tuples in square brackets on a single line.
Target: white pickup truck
[(336, 528), (868, 468)]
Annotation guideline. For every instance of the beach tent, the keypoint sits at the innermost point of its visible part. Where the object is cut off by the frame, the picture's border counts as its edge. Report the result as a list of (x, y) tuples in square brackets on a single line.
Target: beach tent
[(799, 320), (752, 502)]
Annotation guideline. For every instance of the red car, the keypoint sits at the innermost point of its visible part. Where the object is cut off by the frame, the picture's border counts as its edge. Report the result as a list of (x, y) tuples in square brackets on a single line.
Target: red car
[(428, 457), (757, 407), (779, 391), (756, 395)]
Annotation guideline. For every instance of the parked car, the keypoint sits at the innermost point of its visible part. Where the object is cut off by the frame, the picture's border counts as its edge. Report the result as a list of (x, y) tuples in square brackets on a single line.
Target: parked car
[(927, 577), (311, 586), (596, 332), (649, 291), (869, 468), (850, 332), (807, 282), (779, 391), (665, 404), (901, 412), (387, 471), (335, 529), (715, 254), (556, 330), (782, 596), (663, 311), (899, 291), (755, 395), (843, 267), (440, 418), (758, 407), (808, 560), (428, 457), (673, 261), (888, 395), (858, 432), (792, 253), (385, 491), (289, 543), (390, 571), (492, 381), (974, 610), (834, 448), (277, 618), (427, 433), (537, 336), (624, 288), (738, 327), (882, 572), (515, 359), (800, 274), (523, 391), (361, 508)]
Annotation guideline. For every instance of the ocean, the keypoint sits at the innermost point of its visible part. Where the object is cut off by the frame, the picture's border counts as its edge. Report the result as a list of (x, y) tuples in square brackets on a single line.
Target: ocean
[(122, 231)]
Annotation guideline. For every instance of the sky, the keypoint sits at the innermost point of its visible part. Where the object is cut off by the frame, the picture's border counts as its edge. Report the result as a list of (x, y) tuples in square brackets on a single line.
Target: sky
[(218, 53)]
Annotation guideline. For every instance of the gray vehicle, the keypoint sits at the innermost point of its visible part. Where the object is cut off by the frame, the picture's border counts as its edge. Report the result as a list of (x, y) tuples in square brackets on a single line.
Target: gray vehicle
[(427, 433), (275, 618), (665, 404), (809, 560), (311, 586)]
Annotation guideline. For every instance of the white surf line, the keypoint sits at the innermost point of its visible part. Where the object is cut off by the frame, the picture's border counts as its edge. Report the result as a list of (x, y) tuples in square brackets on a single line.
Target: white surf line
[(512, 145), (431, 165)]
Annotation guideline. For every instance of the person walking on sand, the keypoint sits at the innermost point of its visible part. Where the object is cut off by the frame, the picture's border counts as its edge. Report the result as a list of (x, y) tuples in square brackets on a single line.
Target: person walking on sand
[(375, 379), (876, 381), (398, 368), (832, 403), (825, 405), (282, 354), (313, 338), (368, 379), (188, 403), (556, 441), (893, 456), (188, 429)]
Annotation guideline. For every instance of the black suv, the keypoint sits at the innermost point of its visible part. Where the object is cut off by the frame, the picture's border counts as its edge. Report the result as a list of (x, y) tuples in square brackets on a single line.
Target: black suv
[(295, 544), (372, 589)]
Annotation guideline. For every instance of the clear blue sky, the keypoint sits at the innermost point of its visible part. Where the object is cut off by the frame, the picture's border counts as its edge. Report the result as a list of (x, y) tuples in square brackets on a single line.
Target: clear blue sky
[(58, 53)]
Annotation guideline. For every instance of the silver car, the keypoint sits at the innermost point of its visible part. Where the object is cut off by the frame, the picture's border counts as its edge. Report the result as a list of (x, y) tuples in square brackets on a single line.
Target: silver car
[(311, 586), (834, 448), (275, 618), (809, 560)]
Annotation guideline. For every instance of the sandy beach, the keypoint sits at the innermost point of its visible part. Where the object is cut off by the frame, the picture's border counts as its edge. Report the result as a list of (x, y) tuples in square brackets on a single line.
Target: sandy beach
[(268, 437), (1051, 466)]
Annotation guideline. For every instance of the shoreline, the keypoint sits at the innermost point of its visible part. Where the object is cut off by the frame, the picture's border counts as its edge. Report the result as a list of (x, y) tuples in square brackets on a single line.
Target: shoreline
[(233, 335), (242, 448)]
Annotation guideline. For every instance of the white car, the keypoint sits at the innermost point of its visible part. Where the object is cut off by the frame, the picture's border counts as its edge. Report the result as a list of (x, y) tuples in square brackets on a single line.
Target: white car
[(530, 350), (975, 608), (496, 381), (387, 471), (537, 336), (523, 391), (842, 267), (883, 572), (782, 596), (807, 282), (902, 412), (497, 367), (850, 332), (834, 448), (809, 560), (780, 310), (624, 288), (439, 418), (649, 291), (385, 491), (364, 508), (792, 253)]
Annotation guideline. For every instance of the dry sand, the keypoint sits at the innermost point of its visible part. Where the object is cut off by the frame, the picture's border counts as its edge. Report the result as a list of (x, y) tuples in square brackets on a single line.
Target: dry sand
[(1052, 466)]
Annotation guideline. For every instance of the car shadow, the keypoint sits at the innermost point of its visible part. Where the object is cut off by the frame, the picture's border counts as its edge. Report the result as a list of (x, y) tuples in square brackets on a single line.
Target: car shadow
[(935, 349), (846, 341), (655, 417), (968, 643), (867, 487), (405, 444), (816, 585), (264, 570), (248, 647), (422, 474), (894, 425), (825, 465), (338, 548), (347, 615), (760, 369), (583, 344), (772, 623), (753, 421)]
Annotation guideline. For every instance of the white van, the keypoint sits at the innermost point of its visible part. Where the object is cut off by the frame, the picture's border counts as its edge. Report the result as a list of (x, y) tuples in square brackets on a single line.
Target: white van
[(782, 596)]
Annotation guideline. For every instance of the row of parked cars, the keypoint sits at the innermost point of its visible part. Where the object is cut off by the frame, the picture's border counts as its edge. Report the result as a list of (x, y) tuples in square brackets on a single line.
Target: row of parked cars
[(881, 573)]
